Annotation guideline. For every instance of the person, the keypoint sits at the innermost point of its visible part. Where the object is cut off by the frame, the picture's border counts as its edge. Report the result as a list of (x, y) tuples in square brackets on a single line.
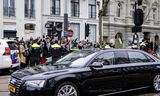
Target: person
[(56, 51), (35, 53), (21, 54), (47, 48), (107, 46), (143, 45), (74, 47)]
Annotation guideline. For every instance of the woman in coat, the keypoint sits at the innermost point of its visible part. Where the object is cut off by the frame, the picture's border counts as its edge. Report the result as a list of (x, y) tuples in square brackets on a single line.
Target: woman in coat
[(21, 54)]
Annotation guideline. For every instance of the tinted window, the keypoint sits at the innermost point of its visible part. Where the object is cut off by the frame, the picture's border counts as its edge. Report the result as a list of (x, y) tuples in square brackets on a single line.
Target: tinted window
[(121, 58), (107, 58), (12, 45), (136, 57)]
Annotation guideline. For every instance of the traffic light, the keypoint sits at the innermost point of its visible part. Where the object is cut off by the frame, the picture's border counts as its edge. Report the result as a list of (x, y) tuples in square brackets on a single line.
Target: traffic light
[(138, 17), (136, 29), (139, 2), (87, 30), (58, 26)]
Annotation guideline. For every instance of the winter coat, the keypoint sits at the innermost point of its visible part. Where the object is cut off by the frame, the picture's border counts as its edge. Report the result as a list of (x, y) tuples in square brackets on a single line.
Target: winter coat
[(21, 54)]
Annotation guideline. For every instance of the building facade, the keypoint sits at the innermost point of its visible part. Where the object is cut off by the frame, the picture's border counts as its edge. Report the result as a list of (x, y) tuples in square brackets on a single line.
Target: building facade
[(28, 18), (119, 20), (80, 13), (20, 18)]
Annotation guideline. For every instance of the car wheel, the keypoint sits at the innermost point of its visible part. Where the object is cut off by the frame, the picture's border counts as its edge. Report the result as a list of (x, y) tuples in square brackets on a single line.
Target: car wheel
[(156, 83), (66, 89)]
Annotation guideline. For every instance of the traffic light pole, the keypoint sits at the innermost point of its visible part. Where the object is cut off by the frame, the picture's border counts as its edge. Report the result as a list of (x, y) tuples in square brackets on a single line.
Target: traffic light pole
[(65, 17), (135, 36), (138, 21)]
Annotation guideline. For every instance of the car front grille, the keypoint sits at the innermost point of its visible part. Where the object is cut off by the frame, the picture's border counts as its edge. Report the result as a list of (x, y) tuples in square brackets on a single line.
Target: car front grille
[(16, 83)]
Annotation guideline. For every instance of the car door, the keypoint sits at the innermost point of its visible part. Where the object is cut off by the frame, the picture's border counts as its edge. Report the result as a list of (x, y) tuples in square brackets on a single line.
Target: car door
[(137, 72), (109, 77)]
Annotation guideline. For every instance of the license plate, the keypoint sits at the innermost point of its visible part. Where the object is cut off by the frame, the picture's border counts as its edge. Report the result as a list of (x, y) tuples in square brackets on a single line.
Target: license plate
[(12, 89)]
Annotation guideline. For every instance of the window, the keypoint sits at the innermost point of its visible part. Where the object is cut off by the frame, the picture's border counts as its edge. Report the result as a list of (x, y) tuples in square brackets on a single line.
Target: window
[(121, 58), (92, 8), (76, 29), (9, 8), (92, 33), (75, 8), (119, 6), (144, 11), (55, 7), (108, 58), (132, 11), (136, 57), (30, 8), (155, 14), (29, 26)]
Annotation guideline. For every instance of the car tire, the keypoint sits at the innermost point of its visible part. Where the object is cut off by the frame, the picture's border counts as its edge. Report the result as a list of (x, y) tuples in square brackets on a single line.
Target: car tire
[(66, 89), (156, 83)]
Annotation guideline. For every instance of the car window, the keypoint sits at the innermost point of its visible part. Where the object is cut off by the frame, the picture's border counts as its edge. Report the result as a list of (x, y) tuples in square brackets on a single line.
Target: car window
[(107, 58), (137, 57), (121, 57), (12, 45), (76, 59)]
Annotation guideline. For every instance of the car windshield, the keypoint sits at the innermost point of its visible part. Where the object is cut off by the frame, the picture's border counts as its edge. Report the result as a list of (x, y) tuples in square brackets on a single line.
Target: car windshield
[(76, 59)]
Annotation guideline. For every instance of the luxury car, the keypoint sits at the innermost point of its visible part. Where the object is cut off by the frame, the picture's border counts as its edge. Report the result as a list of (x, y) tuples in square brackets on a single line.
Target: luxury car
[(89, 72)]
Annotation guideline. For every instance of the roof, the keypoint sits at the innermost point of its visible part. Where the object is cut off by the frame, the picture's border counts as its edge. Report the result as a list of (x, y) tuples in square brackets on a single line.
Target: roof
[(111, 49)]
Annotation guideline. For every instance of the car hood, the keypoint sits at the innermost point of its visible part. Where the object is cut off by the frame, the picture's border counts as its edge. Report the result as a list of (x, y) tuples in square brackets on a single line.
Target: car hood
[(40, 72)]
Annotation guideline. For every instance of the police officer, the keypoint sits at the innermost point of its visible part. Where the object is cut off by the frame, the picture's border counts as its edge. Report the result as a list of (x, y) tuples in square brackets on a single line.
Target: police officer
[(74, 47), (56, 51), (35, 53)]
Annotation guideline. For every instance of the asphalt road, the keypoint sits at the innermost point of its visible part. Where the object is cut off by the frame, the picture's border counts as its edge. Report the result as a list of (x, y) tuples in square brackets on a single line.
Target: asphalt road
[(5, 79), (4, 85)]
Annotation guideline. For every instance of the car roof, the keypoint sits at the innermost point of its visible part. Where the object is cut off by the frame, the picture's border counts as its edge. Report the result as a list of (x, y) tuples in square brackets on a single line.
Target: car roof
[(111, 49)]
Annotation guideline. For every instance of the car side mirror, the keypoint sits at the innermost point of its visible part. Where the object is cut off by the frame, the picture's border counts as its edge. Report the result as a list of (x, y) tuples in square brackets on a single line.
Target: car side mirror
[(96, 65)]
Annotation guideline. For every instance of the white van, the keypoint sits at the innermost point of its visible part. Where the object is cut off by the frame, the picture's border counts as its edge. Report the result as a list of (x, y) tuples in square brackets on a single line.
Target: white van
[(8, 54)]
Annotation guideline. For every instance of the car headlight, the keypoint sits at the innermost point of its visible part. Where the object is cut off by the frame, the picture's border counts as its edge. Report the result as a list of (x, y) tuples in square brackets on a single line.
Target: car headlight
[(35, 83)]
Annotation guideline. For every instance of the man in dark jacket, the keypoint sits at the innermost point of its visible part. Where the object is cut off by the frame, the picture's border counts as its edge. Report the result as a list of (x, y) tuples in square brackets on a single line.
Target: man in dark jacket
[(47, 48), (56, 52)]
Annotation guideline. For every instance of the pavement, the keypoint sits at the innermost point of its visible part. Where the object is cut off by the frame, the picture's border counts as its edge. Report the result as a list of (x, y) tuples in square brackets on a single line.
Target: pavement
[(4, 85)]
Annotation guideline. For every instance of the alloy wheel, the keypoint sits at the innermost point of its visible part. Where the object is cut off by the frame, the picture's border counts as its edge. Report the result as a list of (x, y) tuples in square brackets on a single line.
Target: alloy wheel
[(156, 83), (67, 90)]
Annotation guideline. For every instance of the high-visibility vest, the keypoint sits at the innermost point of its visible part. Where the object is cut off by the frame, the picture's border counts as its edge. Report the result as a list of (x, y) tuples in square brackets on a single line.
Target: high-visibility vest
[(56, 46), (35, 45), (74, 49)]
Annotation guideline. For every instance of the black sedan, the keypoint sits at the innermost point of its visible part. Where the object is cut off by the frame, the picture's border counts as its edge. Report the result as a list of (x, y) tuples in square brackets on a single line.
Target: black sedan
[(89, 72)]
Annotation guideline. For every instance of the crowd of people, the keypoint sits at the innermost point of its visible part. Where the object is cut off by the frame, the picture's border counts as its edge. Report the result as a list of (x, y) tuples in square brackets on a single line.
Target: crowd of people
[(37, 51)]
